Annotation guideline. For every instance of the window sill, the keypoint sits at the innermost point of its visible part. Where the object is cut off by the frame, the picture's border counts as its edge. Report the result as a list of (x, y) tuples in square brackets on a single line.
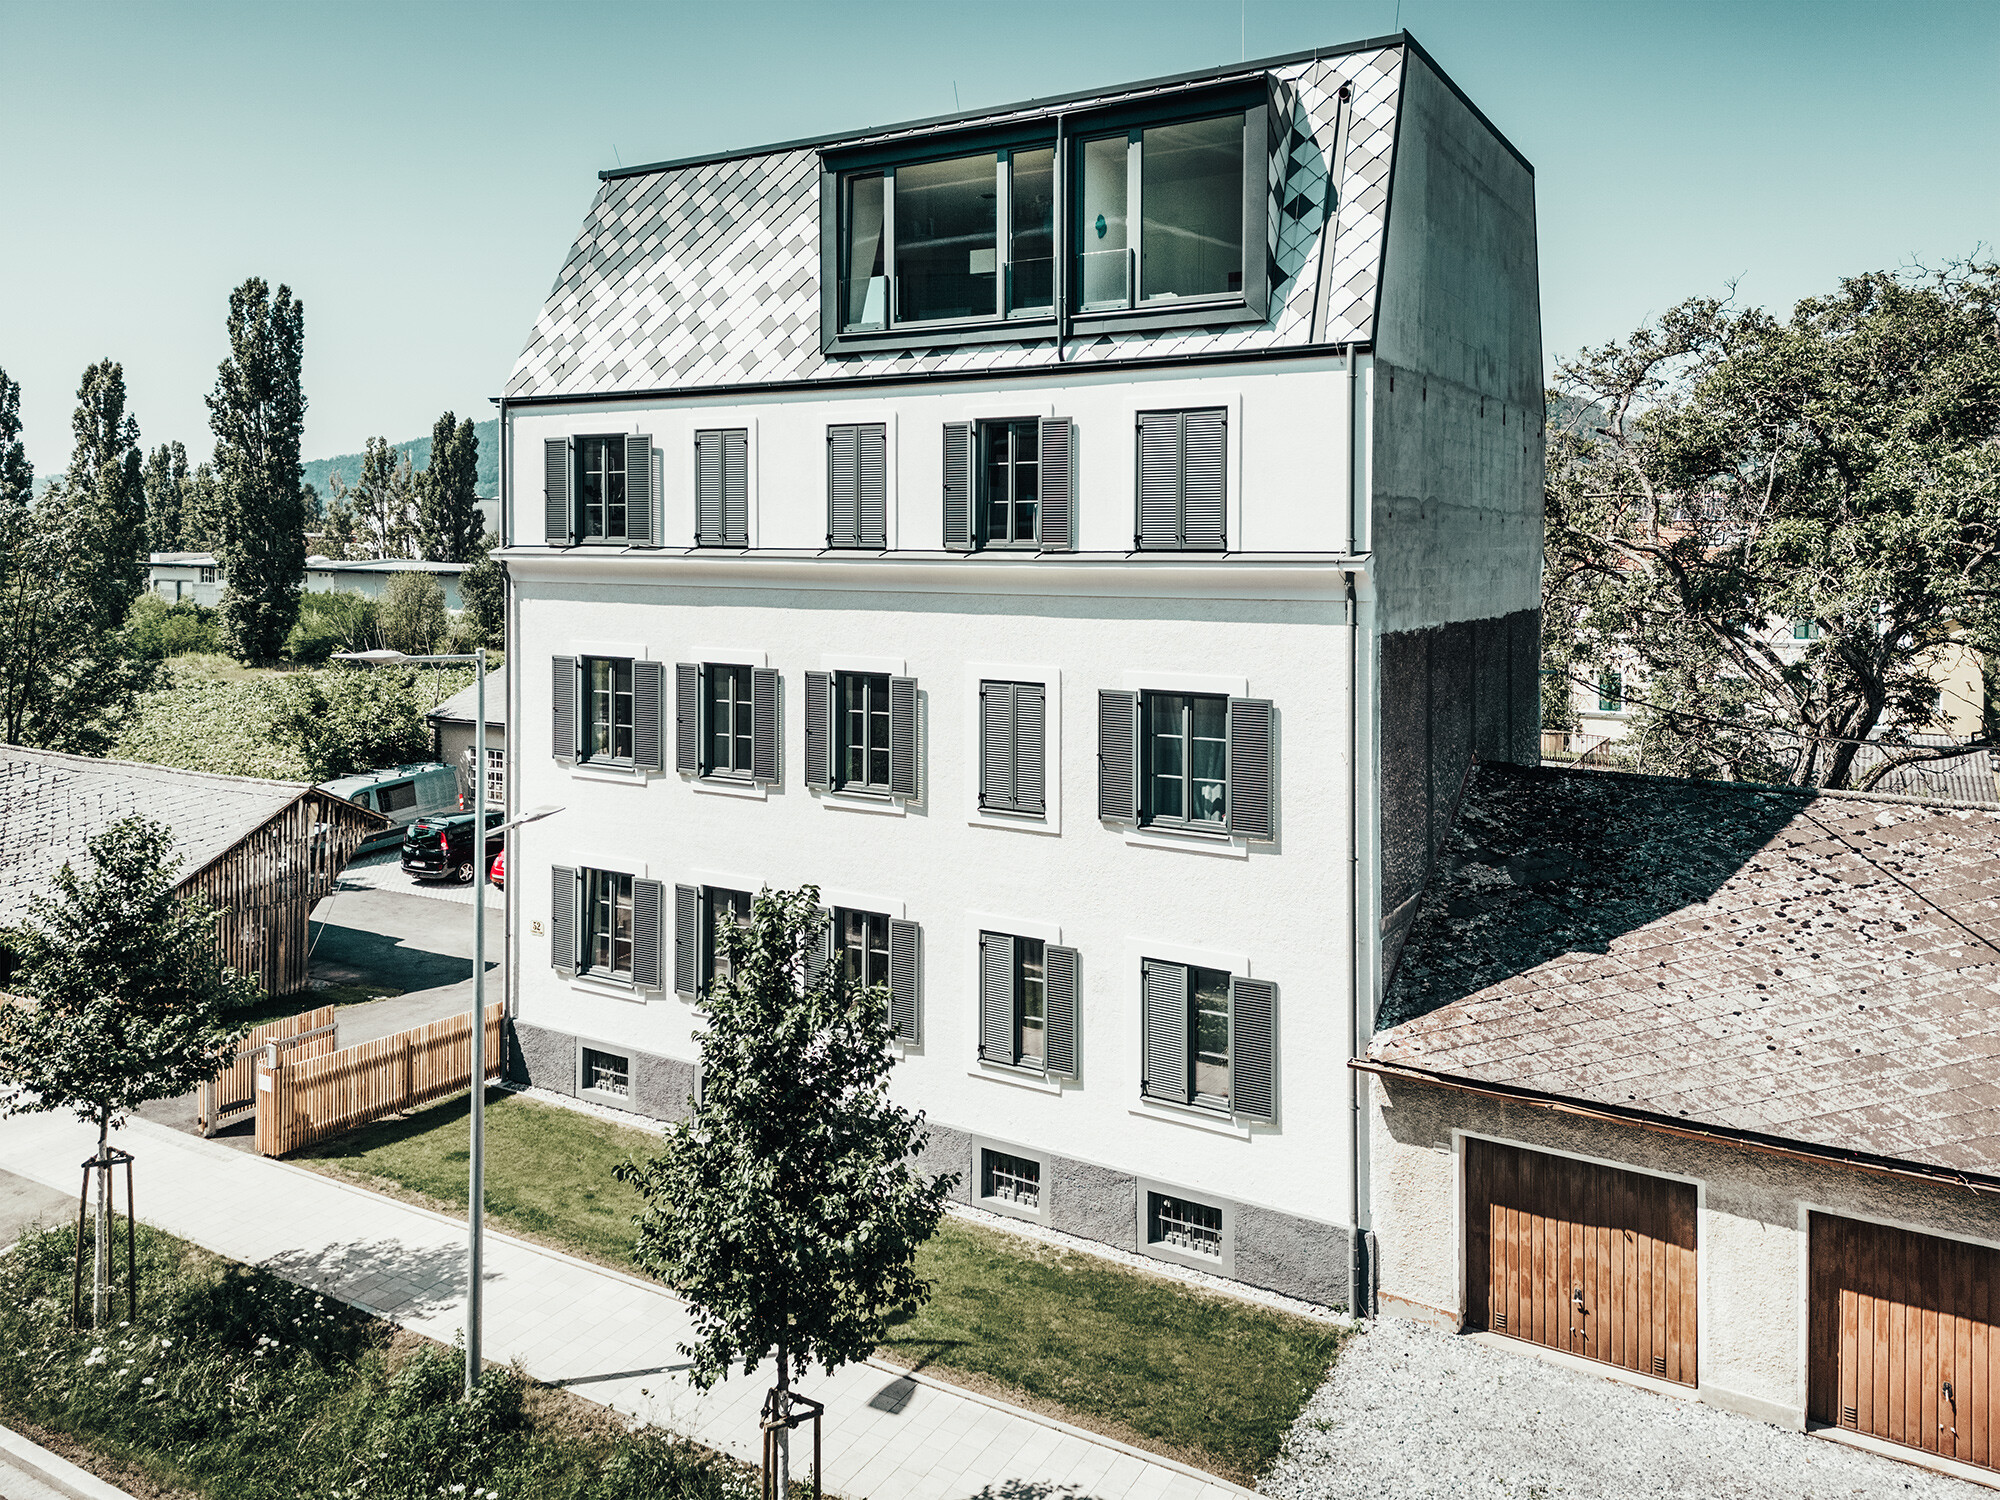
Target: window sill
[(1191, 1116), (1009, 1210), (1189, 314), (1021, 1078), (862, 802), (590, 770), (609, 1101), (1215, 1265), (613, 989), (1016, 822), (1148, 836), (943, 336), (716, 786)]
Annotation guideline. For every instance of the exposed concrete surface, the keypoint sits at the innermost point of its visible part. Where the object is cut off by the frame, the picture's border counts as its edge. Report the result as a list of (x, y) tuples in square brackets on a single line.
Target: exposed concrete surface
[(28, 1471), (1423, 1415), (24, 1204)]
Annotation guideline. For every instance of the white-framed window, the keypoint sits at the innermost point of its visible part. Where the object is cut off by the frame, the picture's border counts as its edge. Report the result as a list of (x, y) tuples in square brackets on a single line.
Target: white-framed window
[(605, 1073), (1188, 1227), (496, 776)]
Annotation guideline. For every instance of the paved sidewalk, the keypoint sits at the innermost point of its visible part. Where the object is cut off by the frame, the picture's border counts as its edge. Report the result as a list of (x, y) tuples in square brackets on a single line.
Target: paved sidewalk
[(606, 1336)]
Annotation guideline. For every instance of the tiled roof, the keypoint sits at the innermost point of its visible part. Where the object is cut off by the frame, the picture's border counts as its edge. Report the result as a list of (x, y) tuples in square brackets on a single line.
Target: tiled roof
[(460, 707), (708, 274), (52, 805), (1817, 968), (322, 564), (1966, 777)]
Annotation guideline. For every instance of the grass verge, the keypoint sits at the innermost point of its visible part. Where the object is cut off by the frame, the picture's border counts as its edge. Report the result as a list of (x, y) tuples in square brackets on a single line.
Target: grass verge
[(234, 1383), (1211, 1380)]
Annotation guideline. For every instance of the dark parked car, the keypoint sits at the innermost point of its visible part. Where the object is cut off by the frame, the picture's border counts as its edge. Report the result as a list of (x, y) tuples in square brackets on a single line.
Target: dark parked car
[(441, 848)]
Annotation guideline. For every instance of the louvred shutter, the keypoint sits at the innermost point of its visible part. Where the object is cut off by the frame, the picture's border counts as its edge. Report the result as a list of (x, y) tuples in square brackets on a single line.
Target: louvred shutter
[(1117, 756), (649, 901), (1059, 1045), (1252, 1012), (819, 729), (872, 484), (1164, 1069), (1159, 480), (958, 486), (996, 746), (1058, 484), (708, 530), (905, 980), (558, 513), (563, 689), (1204, 482), (687, 718), (764, 725), (563, 938), (903, 737), (736, 487), (639, 496), (1252, 769), (687, 940), (843, 524), (649, 691), (996, 997), (1030, 718)]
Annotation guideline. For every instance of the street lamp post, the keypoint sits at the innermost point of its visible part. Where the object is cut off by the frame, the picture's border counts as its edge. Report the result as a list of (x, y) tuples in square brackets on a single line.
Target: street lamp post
[(476, 1210)]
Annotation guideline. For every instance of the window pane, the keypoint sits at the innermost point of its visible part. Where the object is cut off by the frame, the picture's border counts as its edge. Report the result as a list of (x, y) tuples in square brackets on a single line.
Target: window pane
[(999, 509), (1031, 226), (621, 946), (1210, 998), (866, 300), (1029, 956), (590, 485), (621, 708), (1165, 755), (600, 707), (1192, 195), (1027, 466), (614, 487), (947, 226), (725, 909), (1208, 752), (1100, 229)]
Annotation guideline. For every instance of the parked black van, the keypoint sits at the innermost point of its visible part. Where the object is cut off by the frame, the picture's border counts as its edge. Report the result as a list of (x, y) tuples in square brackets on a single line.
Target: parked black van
[(441, 848)]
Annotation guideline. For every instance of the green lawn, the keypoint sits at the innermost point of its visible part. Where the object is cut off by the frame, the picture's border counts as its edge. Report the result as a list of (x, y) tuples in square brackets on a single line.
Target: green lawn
[(1209, 1379)]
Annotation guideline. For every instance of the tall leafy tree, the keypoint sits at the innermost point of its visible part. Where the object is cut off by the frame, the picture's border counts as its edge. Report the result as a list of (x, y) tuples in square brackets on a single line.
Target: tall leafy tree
[(131, 1002), (483, 588), (449, 526), (70, 570), (785, 1209), (1725, 471), (257, 411), (202, 518), (166, 482)]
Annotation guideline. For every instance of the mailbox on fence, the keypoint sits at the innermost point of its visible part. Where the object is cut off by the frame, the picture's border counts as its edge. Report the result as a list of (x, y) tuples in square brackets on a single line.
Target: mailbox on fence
[(231, 1095)]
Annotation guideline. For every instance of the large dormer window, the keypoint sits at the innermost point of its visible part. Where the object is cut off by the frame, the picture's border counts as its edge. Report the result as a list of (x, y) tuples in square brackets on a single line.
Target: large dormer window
[(1160, 214)]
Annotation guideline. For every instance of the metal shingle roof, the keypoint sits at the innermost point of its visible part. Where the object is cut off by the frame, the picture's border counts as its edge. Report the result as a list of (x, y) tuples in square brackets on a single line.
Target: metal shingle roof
[(1824, 969), (51, 806), (460, 707), (708, 274)]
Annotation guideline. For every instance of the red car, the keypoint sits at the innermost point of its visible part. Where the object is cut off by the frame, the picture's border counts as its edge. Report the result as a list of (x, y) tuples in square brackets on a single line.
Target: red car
[(498, 874)]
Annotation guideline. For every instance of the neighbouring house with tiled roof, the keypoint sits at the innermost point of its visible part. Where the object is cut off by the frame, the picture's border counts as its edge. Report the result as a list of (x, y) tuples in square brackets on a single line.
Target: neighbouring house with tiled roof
[(1089, 539), (261, 851), (1702, 1082), (454, 727)]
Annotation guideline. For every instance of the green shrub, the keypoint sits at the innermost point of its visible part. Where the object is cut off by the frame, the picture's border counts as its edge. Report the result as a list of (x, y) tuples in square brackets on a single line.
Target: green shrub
[(159, 629), (413, 617), (330, 622), (342, 721), (235, 1382)]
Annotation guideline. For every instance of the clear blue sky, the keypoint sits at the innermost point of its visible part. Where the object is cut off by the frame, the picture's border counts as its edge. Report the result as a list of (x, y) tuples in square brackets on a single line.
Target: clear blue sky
[(416, 171)]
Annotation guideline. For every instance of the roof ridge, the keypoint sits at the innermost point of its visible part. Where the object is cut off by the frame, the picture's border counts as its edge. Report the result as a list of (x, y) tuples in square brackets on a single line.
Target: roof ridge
[(29, 752), (1753, 788)]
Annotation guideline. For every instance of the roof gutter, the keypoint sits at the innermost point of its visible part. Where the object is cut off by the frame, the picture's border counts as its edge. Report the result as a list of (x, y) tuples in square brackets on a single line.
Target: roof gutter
[(1747, 1140)]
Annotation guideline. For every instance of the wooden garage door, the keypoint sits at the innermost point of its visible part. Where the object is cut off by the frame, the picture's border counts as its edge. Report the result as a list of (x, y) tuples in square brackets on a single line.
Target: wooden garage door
[(1903, 1342), (1593, 1260)]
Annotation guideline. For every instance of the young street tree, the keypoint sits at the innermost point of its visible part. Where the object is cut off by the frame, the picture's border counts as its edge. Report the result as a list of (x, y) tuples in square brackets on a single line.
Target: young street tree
[(449, 526), (785, 1209), (130, 1000), (258, 410), (1725, 472), (70, 570)]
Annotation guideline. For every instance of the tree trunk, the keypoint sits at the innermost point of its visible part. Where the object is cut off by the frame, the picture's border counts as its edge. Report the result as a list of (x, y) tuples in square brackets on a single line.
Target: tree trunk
[(100, 1294), (782, 1449)]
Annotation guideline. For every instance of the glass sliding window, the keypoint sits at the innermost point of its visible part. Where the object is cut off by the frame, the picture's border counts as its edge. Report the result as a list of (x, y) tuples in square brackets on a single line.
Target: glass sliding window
[(1010, 473), (728, 690), (1208, 1029), (1031, 230), (1031, 996), (1191, 198), (864, 283), (1187, 759), (720, 910), (600, 487), (608, 908), (610, 686), (861, 758), (947, 245), (1104, 261), (864, 946)]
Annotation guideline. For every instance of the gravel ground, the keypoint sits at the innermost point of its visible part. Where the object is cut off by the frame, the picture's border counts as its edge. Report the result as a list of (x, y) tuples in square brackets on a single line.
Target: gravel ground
[(1421, 1415)]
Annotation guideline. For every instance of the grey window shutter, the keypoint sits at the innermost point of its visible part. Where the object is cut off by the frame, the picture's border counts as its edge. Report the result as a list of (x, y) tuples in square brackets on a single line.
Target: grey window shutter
[(687, 940), (1164, 1069), (1252, 769), (559, 514), (639, 496), (819, 729), (996, 997), (1029, 770), (1159, 480), (649, 691), (820, 953), (842, 480), (996, 745), (906, 980), (1252, 1007), (1204, 478), (687, 717), (563, 945), (1117, 756), (764, 725), (708, 489), (903, 736), (562, 716), (1058, 484), (1059, 1041), (649, 902), (872, 484), (736, 487), (958, 486)]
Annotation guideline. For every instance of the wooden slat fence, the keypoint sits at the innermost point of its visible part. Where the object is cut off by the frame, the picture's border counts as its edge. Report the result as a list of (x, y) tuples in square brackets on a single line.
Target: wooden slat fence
[(300, 1102), (232, 1093)]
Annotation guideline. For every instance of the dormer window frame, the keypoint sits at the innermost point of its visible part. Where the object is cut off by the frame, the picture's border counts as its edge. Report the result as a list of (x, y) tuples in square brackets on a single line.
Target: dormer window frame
[(844, 170)]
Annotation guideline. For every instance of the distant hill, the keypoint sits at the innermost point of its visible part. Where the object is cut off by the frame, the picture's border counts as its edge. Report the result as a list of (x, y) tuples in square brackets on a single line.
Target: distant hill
[(319, 471)]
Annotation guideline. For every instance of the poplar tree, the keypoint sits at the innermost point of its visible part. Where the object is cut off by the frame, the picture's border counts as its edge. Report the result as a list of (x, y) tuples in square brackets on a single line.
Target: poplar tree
[(257, 411), (449, 526), (166, 482)]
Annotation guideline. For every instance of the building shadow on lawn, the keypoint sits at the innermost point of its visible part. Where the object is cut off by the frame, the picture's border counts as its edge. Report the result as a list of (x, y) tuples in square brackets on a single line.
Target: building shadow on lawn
[(384, 1276)]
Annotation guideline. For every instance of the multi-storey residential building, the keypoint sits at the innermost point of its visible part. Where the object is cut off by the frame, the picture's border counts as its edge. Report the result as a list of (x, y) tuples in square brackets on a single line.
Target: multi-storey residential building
[(1090, 540)]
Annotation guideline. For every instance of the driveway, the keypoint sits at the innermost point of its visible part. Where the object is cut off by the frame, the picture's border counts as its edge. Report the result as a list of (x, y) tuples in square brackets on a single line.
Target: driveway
[(1423, 1415)]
